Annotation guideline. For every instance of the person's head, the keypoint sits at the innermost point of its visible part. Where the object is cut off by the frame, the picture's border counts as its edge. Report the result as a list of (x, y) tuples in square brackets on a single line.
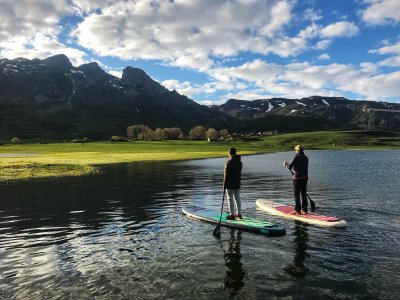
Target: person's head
[(298, 148), (232, 151)]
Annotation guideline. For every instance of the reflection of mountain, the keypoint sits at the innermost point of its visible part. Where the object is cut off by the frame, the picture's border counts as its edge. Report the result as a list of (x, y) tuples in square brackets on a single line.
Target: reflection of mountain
[(234, 272), (297, 268), (57, 208)]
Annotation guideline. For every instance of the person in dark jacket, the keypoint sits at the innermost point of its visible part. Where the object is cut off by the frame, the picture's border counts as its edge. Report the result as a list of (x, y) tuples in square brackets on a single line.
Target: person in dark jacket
[(232, 177), (299, 165)]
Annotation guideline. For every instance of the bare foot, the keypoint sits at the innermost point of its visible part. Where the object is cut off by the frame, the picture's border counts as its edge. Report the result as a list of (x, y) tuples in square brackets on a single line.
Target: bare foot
[(295, 213)]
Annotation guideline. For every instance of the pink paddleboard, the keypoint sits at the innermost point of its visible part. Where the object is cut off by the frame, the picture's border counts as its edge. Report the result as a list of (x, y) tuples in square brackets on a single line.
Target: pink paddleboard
[(287, 211)]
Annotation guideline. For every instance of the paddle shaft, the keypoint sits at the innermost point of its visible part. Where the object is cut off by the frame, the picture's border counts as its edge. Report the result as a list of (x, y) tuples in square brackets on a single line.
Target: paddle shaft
[(217, 229)]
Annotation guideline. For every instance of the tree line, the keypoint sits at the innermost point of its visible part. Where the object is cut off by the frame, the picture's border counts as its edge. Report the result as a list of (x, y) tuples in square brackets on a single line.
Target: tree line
[(197, 133)]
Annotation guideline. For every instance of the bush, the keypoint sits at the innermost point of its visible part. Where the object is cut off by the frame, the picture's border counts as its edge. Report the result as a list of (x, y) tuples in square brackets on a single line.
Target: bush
[(15, 140), (116, 138)]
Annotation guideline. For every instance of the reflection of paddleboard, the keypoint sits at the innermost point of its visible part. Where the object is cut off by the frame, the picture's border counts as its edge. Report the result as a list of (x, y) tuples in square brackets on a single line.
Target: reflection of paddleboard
[(246, 224), (287, 212)]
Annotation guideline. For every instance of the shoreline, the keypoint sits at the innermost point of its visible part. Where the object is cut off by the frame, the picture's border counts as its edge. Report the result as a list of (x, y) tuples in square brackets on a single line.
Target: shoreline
[(64, 160)]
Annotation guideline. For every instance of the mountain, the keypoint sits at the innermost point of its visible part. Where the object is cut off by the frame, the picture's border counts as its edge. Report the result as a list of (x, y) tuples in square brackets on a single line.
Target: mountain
[(51, 98), (313, 113)]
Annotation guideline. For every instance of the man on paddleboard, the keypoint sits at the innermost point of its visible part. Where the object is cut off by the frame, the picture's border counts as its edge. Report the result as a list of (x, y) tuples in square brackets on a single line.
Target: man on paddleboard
[(299, 165), (232, 176)]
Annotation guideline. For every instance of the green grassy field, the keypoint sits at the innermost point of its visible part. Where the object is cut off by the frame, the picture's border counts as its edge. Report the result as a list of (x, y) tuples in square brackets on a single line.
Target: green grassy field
[(66, 159)]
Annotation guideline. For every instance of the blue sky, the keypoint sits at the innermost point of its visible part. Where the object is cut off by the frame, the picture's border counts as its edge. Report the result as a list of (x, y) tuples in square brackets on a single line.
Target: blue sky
[(214, 50)]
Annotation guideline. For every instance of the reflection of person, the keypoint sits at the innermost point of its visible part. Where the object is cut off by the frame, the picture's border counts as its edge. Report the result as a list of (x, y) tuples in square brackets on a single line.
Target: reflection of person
[(234, 273), (232, 176), (297, 268), (299, 165)]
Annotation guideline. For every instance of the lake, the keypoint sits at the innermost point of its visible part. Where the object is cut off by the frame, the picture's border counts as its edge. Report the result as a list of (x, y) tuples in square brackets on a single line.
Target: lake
[(121, 234)]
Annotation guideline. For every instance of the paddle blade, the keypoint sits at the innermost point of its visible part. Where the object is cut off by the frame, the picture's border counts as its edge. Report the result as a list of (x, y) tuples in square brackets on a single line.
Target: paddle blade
[(217, 231), (312, 203)]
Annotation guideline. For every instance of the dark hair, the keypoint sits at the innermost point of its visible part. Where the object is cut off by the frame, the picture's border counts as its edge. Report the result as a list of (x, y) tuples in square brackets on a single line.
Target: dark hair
[(232, 151)]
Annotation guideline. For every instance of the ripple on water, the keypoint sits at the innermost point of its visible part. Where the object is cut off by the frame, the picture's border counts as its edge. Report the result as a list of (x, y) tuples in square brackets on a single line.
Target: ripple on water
[(121, 235)]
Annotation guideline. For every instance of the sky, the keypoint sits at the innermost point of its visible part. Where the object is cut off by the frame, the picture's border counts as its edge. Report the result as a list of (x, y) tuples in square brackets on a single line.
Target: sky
[(215, 50)]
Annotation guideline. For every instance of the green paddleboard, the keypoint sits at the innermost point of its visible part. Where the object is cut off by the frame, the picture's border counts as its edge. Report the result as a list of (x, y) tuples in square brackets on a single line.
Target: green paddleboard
[(246, 224)]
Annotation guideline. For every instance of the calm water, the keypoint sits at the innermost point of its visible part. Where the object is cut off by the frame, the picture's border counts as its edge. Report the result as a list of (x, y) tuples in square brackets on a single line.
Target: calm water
[(121, 234)]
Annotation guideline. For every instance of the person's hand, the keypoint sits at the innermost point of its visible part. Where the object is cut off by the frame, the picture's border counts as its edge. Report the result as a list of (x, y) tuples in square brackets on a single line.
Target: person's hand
[(285, 164)]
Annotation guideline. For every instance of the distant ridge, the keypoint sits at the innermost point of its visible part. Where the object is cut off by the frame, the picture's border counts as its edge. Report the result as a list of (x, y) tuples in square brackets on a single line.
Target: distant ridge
[(52, 99), (313, 113)]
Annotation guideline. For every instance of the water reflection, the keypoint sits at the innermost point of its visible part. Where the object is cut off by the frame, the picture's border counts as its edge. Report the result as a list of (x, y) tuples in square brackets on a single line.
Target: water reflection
[(297, 267), (235, 273), (121, 235)]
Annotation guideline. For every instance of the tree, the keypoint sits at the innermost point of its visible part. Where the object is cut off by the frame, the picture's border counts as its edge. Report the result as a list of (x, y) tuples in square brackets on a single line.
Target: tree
[(172, 133), (224, 134), (147, 135), (197, 133), (212, 134), (158, 135), (15, 140), (134, 131)]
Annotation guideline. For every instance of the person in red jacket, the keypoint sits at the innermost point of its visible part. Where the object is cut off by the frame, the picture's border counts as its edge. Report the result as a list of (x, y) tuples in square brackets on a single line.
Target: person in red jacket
[(232, 177), (299, 165)]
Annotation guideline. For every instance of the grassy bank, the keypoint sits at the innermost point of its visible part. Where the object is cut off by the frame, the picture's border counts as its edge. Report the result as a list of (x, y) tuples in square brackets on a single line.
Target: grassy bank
[(67, 159)]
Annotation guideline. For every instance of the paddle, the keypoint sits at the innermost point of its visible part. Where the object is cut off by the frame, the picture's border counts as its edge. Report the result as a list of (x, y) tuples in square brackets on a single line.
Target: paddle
[(312, 203), (217, 231)]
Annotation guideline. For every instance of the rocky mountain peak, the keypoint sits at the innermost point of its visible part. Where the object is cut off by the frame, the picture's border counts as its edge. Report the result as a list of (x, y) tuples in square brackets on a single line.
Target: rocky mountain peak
[(93, 73), (59, 61), (139, 78)]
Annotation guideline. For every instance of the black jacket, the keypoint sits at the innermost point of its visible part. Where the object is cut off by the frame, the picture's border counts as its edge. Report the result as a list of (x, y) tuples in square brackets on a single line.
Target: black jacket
[(233, 173), (299, 165)]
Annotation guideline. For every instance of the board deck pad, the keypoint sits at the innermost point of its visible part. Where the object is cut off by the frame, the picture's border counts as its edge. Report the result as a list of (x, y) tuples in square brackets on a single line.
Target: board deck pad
[(247, 223), (287, 211)]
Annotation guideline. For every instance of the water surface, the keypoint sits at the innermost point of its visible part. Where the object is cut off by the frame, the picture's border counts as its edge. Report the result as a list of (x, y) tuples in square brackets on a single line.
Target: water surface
[(121, 234)]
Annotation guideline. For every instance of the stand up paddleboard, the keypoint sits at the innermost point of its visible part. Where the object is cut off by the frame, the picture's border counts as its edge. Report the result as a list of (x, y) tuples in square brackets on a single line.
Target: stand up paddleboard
[(245, 224), (287, 211)]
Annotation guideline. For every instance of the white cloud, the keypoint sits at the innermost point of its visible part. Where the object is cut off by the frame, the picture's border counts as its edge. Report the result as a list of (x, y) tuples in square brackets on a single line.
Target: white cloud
[(340, 29), (392, 49), (116, 73), (368, 68), (21, 20), (247, 95), (376, 87), (393, 61), (42, 47), (190, 90), (84, 6), (30, 29), (323, 44), (380, 12), (188, 32), (324, 56), (312, 15), (294, 80), (257, 70)]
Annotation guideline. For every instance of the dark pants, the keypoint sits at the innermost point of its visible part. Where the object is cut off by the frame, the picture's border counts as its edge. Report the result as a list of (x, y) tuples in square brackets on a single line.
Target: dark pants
[(300, 187)]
